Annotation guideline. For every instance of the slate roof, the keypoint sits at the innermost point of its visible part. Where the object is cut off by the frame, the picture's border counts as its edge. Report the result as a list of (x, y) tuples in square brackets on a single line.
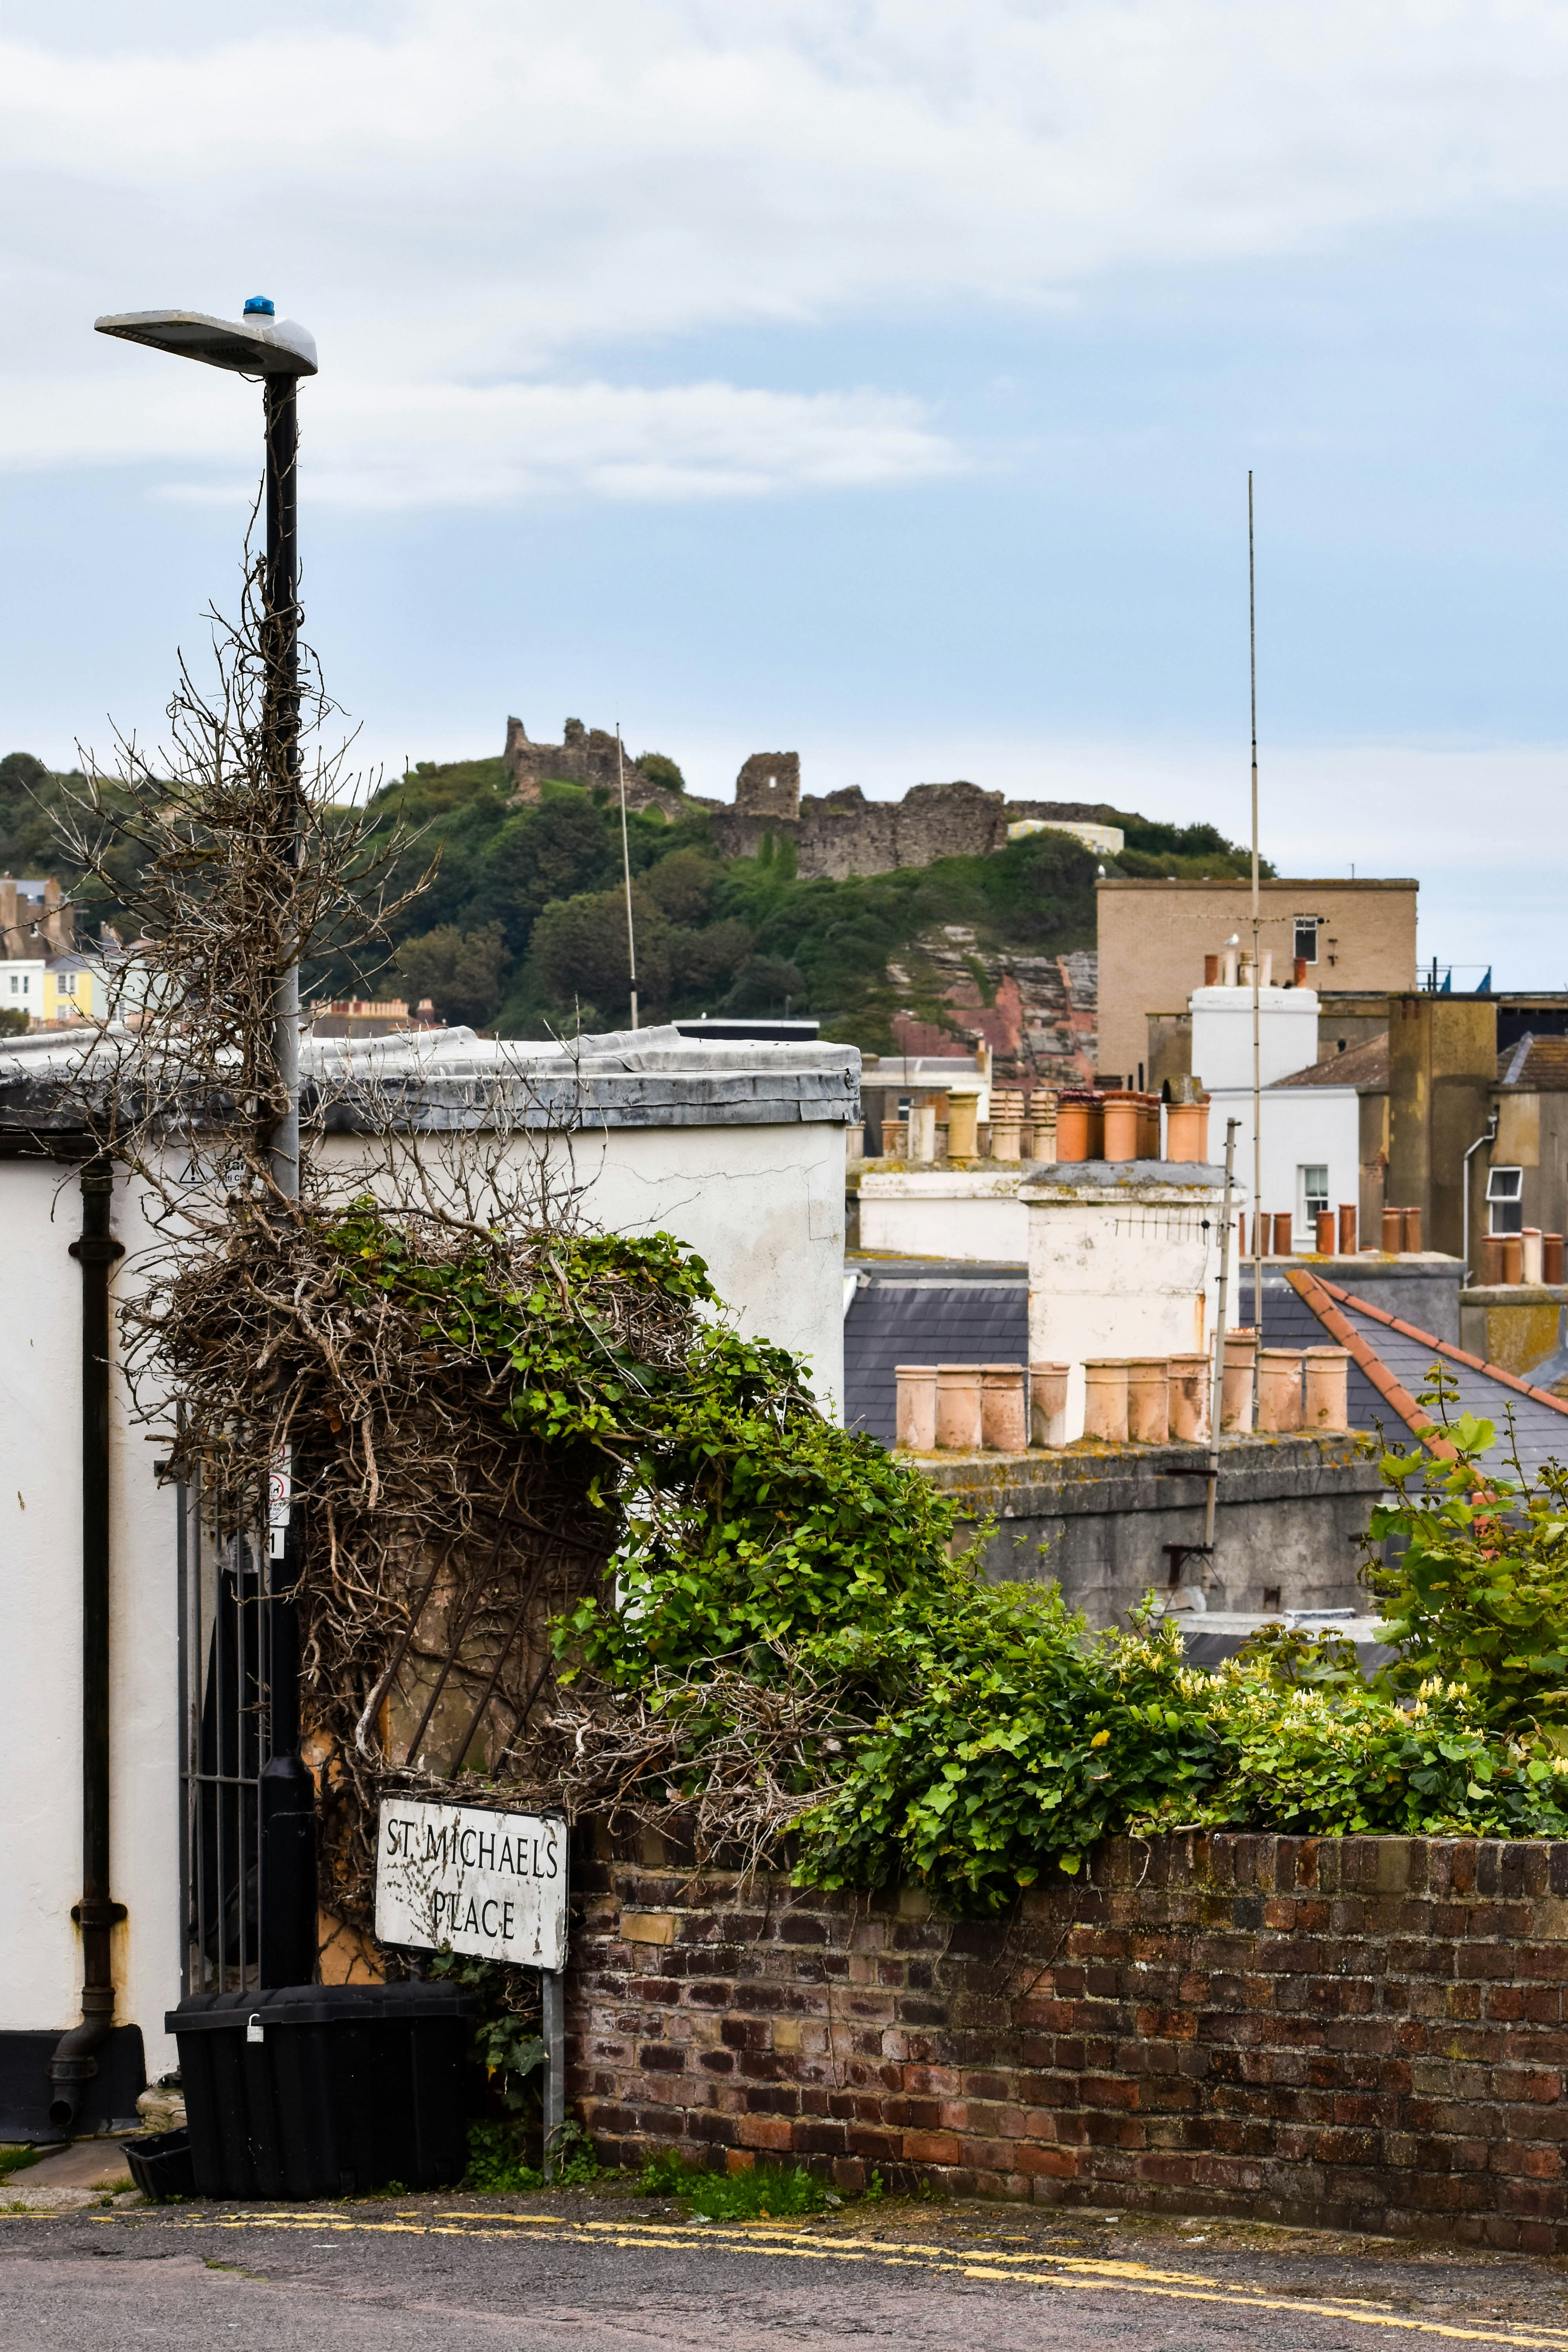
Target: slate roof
[(1364, 1067), (1403, 1354), (924, 1312), (1534, 1064)]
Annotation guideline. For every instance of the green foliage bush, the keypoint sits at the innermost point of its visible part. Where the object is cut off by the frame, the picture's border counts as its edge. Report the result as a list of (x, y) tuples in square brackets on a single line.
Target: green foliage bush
[(1479, 1594), (988, 1739)]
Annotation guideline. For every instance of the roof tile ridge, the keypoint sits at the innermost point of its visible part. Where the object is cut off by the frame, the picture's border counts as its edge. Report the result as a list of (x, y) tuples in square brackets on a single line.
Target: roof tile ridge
[(1392, 1389), (1429, 1339), (1525, 1387)]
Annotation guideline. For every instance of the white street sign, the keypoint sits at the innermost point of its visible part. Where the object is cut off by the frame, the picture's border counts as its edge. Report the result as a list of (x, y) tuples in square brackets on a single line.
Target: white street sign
[(491, 1884)]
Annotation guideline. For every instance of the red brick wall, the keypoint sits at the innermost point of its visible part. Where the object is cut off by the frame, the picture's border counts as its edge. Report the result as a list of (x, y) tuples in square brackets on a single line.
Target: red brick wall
[(1364, 2032)]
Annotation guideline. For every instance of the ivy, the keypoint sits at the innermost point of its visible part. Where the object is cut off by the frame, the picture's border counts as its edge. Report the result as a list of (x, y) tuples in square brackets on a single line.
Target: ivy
[(998, 1739)]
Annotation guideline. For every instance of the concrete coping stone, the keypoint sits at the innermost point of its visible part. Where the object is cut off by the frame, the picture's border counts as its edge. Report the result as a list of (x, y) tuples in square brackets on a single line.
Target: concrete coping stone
[(1516, 1294)]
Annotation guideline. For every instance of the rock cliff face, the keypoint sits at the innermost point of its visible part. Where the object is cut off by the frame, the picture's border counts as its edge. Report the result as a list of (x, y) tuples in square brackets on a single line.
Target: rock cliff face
[(1037, 1013)]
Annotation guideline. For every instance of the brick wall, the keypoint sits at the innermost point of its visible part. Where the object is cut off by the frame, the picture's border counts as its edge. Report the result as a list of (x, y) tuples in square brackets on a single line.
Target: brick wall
[(1364, 2032), (1153, 937)]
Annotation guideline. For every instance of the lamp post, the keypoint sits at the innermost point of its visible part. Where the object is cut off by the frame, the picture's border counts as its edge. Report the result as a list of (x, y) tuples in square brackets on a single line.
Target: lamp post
[(260, 344), (278, 351)]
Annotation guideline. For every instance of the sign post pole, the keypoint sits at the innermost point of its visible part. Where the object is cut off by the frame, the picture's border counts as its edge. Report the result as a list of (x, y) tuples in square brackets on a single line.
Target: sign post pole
[(469, 1878), (552, 1991)]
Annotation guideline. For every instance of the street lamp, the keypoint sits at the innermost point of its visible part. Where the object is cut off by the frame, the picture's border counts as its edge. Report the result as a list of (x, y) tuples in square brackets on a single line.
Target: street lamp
[(279, 351), (262, 344)]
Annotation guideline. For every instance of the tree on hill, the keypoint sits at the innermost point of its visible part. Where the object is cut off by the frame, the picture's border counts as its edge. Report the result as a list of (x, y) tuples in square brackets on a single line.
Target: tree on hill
[(460, 972), (523, 925)]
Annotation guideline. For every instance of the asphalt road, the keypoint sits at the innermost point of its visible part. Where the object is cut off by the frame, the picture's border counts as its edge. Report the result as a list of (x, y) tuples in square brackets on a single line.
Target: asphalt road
[(591, 2272)]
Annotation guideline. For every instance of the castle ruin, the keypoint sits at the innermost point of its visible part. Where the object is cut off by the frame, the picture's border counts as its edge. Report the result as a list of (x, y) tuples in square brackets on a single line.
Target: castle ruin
[(585, 755), (834, 834)]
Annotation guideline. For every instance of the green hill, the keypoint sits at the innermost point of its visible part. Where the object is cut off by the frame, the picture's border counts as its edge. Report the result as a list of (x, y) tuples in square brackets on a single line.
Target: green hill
[(523, 926)]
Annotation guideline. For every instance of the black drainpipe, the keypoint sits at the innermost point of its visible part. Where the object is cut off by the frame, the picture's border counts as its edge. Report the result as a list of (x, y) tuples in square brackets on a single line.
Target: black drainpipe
[(73, 2063)]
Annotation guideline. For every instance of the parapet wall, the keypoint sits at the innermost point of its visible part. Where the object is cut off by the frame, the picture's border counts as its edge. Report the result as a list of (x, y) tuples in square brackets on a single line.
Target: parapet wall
[(1107, 1522), (1356, 2033)]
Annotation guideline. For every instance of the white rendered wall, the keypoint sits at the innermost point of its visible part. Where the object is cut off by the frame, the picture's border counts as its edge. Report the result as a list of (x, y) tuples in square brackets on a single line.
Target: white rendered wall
[(945, 1213), (764, 1206), (1222, 1036), (1303, 1126), (40, 1659), (1120, 1270)]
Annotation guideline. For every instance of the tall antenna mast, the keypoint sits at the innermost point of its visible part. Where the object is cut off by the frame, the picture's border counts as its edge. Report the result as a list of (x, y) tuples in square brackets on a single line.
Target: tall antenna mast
[(1257, 964), (627, 867)]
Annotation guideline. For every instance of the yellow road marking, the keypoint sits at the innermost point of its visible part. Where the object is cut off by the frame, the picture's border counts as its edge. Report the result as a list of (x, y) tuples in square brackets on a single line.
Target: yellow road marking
[(1086, 2272)]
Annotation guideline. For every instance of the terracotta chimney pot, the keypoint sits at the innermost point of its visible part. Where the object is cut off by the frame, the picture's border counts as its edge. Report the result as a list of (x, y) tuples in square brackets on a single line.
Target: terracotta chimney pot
[(1047, 1404), (1327, 1372), (917, 1407), (1149, 1400), (1278, 1389), (1192, 1379), (1002, 1426), (1105, 1399), (959, 1427)]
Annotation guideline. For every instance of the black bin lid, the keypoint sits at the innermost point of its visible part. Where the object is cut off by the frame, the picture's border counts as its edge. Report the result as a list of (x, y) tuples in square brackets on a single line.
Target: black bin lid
[(373, 2004)]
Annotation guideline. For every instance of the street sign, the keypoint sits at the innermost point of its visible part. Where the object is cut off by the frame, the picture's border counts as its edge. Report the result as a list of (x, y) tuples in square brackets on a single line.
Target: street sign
[(487, 1883)]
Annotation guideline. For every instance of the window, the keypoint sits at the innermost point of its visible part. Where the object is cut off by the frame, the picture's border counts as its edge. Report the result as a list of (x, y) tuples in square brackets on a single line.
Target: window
[(67, 983), (1307, 937), (1505, 1200), (1312, 1194)]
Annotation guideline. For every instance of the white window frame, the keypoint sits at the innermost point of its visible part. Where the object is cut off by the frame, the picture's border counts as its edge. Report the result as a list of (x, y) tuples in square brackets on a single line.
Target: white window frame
[(1305, 1213), (1299, 923), (1505, 1203)]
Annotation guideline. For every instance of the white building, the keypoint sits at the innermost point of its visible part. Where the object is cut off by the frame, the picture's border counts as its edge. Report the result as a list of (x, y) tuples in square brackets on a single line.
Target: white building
[(737, 1149), (1121, 1263), (970, 1214), (22, 986), (1310, 1137)]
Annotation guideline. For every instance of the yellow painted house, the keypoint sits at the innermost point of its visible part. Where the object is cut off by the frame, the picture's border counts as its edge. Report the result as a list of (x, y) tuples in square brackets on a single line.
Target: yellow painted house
[(74, 987)]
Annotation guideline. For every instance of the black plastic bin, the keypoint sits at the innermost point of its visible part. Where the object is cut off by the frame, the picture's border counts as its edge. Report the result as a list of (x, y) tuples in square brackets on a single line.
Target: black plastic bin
[(160, 2164), (324, 2090)]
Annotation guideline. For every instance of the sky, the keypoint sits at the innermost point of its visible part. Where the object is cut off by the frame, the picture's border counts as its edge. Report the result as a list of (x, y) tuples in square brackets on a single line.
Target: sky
[(874, 378)]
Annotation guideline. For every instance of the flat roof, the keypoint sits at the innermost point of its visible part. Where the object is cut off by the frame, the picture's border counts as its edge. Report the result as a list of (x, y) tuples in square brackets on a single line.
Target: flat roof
[(1278, 882)]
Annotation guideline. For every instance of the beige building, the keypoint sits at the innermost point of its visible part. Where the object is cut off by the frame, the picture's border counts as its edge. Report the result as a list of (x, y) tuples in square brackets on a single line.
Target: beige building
[(1351, 937)]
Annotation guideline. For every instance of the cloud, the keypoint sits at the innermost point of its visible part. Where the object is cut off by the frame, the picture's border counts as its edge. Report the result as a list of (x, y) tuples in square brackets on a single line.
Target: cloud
[(404, 445), (470, 199), (633, 165)]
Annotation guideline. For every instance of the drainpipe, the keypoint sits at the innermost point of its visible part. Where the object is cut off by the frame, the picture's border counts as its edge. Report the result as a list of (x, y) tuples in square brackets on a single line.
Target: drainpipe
[(74, 2062), (1490, 1137)]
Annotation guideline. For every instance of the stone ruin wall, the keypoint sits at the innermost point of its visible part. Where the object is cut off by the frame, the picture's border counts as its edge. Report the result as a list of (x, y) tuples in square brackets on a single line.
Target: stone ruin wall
[(835, 834), (585, 755), (843, 833)]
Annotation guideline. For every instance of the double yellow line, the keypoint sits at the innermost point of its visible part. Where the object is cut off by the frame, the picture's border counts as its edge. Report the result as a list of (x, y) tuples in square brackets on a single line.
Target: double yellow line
[(801, 2244)]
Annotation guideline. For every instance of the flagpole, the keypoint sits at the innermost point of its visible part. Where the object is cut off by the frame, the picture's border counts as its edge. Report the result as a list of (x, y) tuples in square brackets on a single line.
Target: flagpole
[(1256, 970), (626, 870)]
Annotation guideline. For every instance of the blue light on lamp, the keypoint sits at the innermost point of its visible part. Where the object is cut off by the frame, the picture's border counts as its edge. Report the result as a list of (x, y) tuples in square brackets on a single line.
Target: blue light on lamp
[(260, 306)]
